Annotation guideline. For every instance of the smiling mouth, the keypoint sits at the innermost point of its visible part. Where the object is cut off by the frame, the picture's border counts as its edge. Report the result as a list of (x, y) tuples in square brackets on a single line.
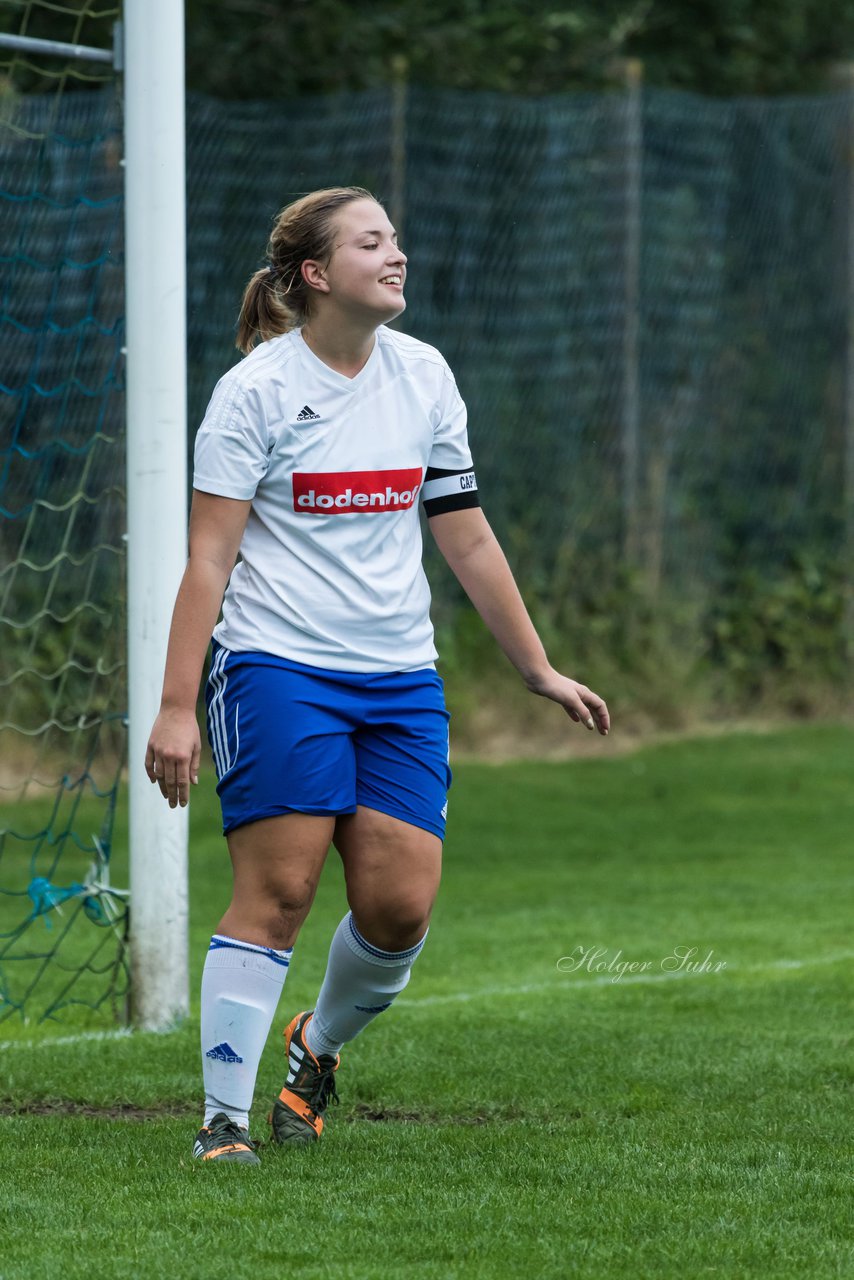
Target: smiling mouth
[(394, 279)]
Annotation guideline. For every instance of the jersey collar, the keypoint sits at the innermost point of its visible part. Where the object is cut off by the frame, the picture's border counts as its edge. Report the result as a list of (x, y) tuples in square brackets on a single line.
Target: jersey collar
[(332, 376)]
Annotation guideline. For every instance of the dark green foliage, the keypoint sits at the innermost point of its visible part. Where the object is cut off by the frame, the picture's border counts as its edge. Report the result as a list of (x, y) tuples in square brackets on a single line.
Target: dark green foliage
[(780, 631), (763, 640), (260, 48), (267, 48)]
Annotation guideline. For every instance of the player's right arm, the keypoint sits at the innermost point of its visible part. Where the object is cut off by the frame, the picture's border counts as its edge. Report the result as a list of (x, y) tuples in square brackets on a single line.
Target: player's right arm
[(174, 747)]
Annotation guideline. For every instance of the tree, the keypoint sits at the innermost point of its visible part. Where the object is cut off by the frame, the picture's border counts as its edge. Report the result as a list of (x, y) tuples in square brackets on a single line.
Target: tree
[(269, 48)]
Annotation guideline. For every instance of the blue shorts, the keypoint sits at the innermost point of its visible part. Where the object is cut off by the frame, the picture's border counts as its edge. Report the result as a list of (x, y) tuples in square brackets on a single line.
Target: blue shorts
[(289, 738)]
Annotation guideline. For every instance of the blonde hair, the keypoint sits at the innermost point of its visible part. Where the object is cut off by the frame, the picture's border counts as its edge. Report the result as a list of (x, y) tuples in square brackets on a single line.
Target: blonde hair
[(277, 297)]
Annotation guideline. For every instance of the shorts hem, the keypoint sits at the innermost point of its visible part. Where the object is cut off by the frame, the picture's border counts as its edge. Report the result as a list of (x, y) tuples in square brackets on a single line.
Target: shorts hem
[(279, 810), (424, 824)]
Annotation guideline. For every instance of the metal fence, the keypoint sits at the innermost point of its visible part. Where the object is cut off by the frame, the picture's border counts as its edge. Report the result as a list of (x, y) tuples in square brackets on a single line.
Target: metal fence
[(645, 296)]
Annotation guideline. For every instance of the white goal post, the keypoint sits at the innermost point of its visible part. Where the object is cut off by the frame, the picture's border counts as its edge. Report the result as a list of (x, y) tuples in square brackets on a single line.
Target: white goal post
[(155, 307)]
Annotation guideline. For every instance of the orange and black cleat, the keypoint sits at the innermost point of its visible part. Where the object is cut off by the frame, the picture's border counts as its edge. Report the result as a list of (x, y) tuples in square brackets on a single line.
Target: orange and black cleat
[(222, 1139), (297, 1115)]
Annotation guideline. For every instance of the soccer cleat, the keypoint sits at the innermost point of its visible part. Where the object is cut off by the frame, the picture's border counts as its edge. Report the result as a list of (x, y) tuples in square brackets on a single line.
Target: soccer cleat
[(297, 1115), (222, 1139)]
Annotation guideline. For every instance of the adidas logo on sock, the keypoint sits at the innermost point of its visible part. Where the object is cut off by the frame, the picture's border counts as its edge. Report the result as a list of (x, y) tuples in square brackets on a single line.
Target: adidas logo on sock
[(307, 414), (223, 1053)]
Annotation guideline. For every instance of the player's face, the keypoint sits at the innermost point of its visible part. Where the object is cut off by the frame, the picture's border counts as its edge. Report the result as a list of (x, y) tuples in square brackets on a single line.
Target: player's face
[(367, 269)]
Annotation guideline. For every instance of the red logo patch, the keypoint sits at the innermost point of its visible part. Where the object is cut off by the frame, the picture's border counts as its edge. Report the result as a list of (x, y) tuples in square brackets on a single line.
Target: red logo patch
[(339, 492)]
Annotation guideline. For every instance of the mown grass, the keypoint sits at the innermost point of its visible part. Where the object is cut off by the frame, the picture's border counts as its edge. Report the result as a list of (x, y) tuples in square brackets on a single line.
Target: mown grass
[(512, 1116)]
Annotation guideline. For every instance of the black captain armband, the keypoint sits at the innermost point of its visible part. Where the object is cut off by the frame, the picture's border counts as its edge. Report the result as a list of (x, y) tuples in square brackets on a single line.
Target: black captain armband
[(449, 491)]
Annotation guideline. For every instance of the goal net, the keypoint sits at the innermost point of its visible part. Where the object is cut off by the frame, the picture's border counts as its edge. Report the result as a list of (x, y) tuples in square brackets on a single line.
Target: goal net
[(62, 617)]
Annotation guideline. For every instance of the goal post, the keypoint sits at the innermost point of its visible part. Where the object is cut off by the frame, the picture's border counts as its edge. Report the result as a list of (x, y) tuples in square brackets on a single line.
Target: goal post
[(155, 282)]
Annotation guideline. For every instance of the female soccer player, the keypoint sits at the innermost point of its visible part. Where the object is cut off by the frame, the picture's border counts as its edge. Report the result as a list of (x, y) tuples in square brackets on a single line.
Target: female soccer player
[(326, 717)]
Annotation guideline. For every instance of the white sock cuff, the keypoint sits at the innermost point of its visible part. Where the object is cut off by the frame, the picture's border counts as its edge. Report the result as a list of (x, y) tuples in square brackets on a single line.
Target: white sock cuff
[(231, 953), (374, 955)]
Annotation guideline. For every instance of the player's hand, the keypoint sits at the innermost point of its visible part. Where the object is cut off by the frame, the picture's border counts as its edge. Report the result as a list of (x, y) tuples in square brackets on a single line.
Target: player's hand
[(173, 754), (580, 703)]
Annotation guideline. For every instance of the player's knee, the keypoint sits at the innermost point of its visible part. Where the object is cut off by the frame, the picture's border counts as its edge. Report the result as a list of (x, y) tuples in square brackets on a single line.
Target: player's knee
[(399, 925), (286, 907)]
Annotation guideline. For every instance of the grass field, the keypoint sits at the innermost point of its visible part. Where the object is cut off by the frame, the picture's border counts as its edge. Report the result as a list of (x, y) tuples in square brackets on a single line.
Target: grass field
[(520, 1112)]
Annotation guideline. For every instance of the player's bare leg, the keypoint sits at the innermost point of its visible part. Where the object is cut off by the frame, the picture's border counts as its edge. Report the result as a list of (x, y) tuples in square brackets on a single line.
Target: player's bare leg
[(276, 864), (392, 870)]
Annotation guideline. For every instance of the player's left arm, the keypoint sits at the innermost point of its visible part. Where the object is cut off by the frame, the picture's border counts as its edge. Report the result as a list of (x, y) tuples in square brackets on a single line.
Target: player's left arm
[(467, 542)]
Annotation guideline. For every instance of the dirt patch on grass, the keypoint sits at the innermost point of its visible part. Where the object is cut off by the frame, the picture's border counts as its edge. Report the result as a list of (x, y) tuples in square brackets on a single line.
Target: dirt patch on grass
[(361, 1112), (109, 1111), (399, 1115)]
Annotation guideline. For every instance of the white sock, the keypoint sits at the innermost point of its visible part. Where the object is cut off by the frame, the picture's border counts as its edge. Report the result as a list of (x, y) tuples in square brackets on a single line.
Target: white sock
[(360, 982), (241, 985)]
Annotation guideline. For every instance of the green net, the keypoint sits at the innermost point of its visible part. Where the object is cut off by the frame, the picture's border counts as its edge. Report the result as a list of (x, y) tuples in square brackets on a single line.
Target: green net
[(62, 677)]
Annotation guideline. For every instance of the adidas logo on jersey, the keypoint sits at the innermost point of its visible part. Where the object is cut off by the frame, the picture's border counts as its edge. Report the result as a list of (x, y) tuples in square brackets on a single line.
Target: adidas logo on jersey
[(307, 414), (223, 1053), (336, 493)]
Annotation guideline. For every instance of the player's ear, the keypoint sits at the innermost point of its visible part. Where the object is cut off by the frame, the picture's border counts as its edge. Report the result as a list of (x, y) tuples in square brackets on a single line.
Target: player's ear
[(312, 274)]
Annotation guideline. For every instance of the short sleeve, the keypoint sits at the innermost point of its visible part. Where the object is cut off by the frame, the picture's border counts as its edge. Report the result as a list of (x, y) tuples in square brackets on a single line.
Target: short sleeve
[(232, 450), (450, 437), (449, 482)]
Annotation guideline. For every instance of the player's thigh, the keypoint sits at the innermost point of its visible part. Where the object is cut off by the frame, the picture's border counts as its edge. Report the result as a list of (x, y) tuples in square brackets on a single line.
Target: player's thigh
[(279, 859), (392, 871)]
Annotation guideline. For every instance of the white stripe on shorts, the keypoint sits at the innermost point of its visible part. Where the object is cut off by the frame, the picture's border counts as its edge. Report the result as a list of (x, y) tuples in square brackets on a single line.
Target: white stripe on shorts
[(216, 715)]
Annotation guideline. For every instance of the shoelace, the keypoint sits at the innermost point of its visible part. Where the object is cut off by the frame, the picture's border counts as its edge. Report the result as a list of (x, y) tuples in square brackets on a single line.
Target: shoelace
[(227, 1131), (324, 1090)]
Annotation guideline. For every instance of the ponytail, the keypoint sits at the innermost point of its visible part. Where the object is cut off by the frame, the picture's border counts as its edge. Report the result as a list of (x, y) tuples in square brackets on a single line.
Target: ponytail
[(264, 313)]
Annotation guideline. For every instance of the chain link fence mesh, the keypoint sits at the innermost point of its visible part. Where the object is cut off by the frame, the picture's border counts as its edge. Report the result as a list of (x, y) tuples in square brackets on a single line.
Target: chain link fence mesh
[(644, 300)]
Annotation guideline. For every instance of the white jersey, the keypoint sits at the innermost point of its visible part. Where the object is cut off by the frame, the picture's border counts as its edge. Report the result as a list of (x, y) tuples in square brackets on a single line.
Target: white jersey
[(330, 567)]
